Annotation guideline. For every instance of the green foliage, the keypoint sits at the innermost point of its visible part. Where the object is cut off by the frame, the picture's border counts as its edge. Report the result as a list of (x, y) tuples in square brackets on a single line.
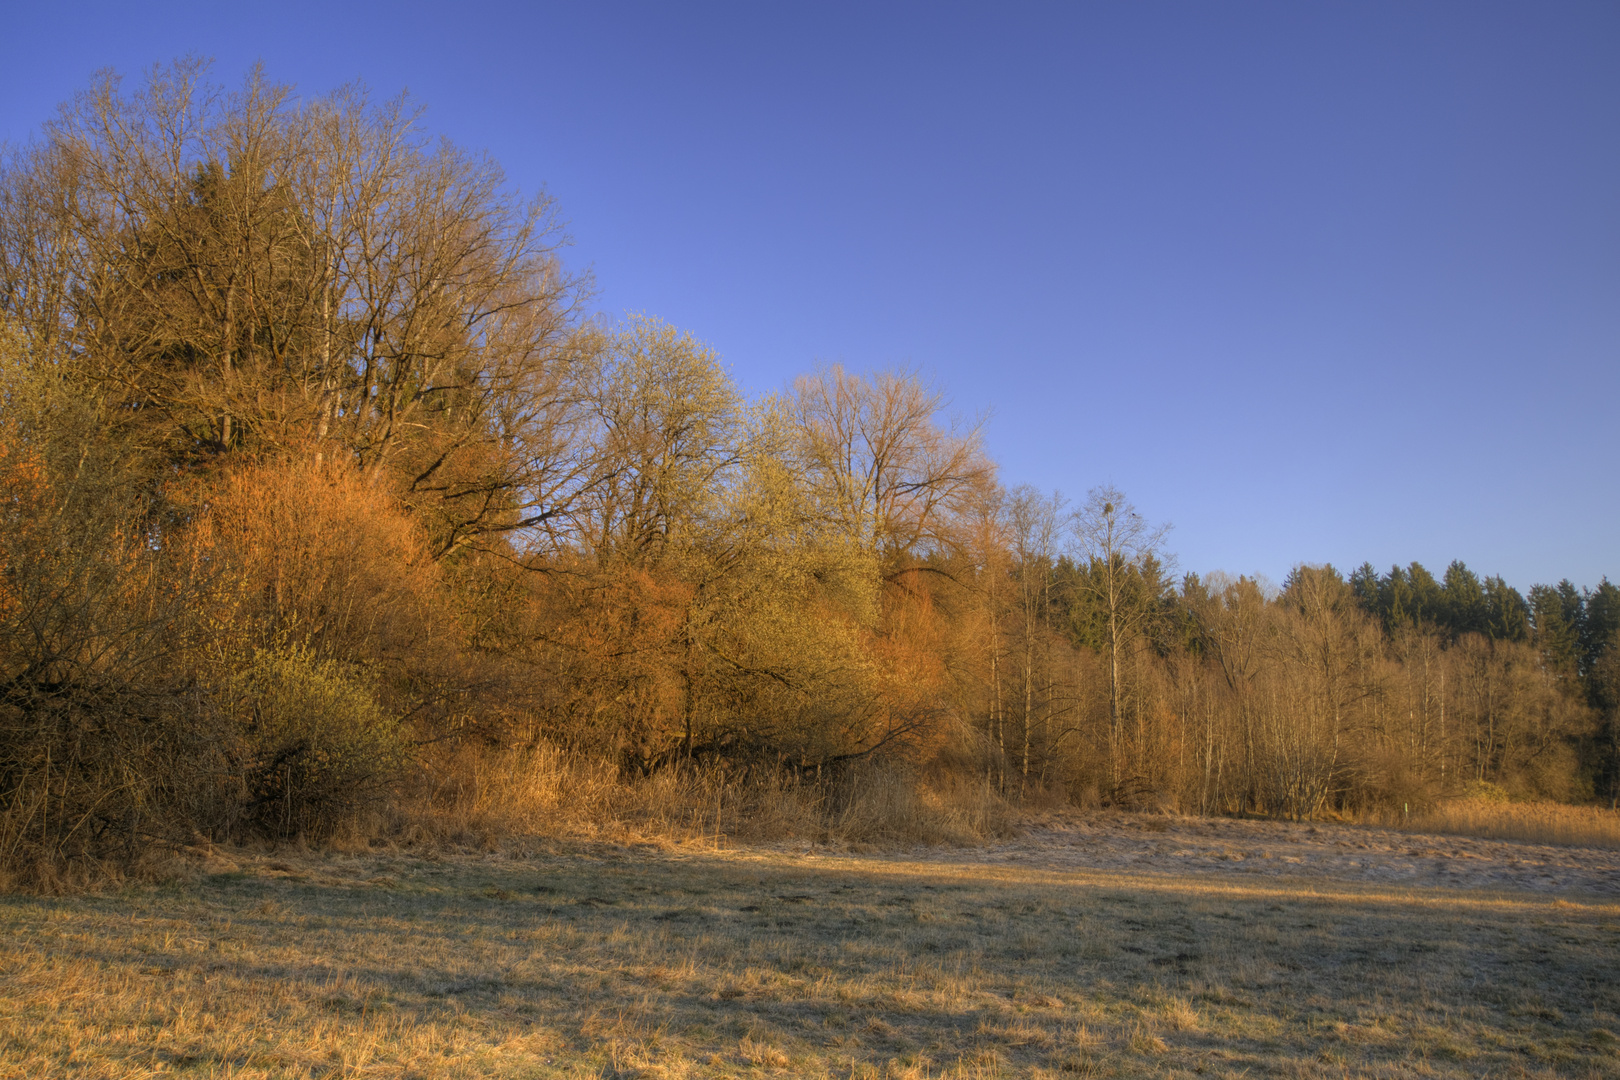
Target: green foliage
[(1600, 623), (1142, 588), (1507, 616), (1459, 604), (1558, 614), (1364, 583), (1464, 608)]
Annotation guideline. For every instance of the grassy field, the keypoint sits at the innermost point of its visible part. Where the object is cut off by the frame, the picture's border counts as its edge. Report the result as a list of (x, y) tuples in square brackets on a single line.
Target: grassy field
[(654, 963)]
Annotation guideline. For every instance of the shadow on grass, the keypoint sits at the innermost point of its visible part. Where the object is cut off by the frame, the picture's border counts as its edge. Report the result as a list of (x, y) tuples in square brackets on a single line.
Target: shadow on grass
[(713, 964)]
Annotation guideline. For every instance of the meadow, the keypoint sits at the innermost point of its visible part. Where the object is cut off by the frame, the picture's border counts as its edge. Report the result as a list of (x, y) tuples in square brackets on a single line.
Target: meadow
[(670, 960)]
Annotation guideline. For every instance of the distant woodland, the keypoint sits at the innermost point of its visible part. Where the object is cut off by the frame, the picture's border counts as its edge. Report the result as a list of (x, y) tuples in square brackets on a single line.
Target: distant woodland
[(319, 475)]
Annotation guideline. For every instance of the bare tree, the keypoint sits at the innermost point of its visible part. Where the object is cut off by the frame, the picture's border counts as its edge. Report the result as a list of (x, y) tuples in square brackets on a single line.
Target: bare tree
[(983, 527), (667, 439), (1116, 545), (1234, 622), (881, 467), (1033, 524), (1322, 661)]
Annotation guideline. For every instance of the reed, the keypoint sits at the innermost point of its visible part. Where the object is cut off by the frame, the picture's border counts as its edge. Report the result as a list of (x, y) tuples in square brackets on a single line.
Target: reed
[(1535, 822)]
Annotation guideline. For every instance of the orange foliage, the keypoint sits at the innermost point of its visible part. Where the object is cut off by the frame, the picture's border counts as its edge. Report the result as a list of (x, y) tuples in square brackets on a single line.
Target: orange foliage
[(913, 680), (613, 639), (312, 553)]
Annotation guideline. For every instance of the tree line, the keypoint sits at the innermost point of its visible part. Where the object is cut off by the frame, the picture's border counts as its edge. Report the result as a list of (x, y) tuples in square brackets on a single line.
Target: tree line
[(317, 466), (1328, 694)]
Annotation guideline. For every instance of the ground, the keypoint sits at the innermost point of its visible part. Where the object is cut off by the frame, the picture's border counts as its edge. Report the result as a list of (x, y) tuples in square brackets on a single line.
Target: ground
[(1227, 847), (1090, 946)]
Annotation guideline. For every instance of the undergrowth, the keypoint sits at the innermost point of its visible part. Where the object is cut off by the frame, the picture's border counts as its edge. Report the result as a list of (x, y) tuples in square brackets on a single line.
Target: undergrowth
[(478, 795)]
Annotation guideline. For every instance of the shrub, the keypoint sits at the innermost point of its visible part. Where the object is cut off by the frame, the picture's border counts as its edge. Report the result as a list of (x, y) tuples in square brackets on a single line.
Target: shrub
[(1485, 792), (319, 750)]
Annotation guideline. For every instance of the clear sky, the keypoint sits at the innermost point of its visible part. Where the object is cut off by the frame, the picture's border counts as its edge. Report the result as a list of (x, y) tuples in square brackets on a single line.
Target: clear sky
[(1313, 281)]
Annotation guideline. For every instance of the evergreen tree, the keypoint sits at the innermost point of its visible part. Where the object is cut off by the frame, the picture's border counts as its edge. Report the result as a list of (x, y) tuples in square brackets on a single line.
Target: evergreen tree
[(1364, 583), (1428, 600), (1507, 616), (1601, 623), (1395, 602), (1464, 609), (1557, 616)]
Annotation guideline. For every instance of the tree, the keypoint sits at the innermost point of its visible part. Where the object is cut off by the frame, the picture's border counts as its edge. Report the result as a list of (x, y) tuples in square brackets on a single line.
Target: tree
[(881, 468), (1604, 693), (1234, 623), (668, 446), (983, 528), (1507, 616), (1325, 646), (667, 442), (1600, 622), (699, 604), (1465, 609), (1364, 583), (99, 737), (1558, 616), (1033, 525), (1119, 547), (243, 273), (1600, 649)]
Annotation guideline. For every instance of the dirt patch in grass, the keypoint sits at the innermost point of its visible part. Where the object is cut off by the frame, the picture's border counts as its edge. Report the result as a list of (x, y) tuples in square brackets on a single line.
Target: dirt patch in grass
[(660, 962)]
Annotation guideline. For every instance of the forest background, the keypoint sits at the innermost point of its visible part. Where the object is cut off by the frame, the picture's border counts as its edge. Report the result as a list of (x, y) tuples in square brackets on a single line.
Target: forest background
[(332, 513)]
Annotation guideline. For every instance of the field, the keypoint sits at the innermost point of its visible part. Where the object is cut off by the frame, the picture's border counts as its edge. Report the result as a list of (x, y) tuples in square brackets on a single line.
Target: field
[(654, 961)]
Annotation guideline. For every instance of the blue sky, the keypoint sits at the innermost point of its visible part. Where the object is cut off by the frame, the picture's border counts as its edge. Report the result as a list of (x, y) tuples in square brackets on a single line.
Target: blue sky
[(1315, 282)]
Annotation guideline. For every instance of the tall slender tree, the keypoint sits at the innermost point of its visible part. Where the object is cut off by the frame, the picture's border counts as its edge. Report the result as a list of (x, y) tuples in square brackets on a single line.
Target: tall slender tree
[(1116, 545)]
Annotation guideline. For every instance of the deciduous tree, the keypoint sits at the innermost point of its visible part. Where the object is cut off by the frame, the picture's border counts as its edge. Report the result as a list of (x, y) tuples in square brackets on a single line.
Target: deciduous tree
[(1116, 545)]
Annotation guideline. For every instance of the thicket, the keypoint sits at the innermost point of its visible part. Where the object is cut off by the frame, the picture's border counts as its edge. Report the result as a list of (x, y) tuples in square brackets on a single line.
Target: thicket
[(329, 512)]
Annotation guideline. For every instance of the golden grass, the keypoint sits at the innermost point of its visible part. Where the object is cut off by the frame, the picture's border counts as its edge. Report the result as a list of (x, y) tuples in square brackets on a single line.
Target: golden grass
[(477, 796), (1540, 823), (611, 961)]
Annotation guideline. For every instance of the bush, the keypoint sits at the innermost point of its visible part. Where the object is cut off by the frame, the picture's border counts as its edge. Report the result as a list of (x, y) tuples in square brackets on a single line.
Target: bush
[(1484, 791), (319, 750)]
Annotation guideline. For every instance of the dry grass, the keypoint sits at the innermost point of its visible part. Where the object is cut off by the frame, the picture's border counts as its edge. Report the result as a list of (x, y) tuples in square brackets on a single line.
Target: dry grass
[(1539, 823), (660, 962), (477, 796)]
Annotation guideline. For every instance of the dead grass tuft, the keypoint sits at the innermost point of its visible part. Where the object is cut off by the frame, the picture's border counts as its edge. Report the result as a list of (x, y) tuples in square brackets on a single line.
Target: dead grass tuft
[(761, 1053), (1179, 1015), (1144, 1039)]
